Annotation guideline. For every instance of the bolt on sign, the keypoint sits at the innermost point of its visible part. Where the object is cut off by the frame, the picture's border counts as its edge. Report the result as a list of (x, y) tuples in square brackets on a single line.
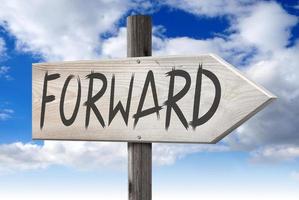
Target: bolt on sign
[(192, 99)]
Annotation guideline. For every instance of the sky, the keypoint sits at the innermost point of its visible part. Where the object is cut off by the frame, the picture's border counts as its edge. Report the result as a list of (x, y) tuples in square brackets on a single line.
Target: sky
[(259, 160)]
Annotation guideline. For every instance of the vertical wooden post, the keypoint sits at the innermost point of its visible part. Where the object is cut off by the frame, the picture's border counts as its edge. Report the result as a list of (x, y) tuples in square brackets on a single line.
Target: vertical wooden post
[(139, 43)]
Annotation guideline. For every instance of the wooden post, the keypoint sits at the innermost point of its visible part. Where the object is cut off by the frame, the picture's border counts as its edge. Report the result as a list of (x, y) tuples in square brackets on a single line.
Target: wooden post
[(139, 43)]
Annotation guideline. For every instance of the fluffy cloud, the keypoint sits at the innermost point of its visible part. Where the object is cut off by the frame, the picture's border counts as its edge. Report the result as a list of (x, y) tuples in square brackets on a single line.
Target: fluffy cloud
[(266, 27), (170, 46), (276, 153), (86, 155), (116, 46), (64, 29), (4, 70), (4, 73), (5, 114), (20, 156), (211, 8), (166, 154)]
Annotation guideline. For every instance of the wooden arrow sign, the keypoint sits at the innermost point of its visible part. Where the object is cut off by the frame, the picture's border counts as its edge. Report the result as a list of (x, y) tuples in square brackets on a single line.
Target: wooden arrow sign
[(193, 99)]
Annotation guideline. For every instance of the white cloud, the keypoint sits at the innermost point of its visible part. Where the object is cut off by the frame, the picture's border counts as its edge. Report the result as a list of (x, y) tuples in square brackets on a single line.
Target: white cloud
[(86, 155), (267, 26), (61, 30), (4, 73), (211, 8), (82, 155), (167, 154), (116, 46), (4, 70), (5, 114), (275, 153), (185, 45)]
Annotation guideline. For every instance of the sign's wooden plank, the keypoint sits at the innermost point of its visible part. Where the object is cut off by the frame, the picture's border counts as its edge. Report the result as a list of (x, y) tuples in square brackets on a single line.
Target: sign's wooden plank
[(226, 99)]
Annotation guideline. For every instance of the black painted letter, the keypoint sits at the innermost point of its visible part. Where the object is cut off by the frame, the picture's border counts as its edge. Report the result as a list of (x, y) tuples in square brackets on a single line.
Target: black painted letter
[(45, 98), (68, 122), (199, 121), (90, 103), (119, 106), (172, 99), (141, 113)]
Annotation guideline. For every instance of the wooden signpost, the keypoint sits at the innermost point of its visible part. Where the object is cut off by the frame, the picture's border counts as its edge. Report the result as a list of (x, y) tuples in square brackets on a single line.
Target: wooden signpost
[(196, 99), (190, 99)]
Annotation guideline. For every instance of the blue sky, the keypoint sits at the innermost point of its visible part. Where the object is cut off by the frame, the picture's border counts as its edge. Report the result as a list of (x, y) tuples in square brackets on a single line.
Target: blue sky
[(259, 160)]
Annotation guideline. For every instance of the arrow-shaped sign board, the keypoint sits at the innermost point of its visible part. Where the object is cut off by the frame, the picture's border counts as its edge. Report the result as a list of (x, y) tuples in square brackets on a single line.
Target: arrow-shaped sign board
[(193, 99)]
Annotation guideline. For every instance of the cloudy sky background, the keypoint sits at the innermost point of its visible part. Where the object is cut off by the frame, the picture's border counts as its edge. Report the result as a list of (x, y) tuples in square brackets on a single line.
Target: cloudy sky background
[(259, 160)]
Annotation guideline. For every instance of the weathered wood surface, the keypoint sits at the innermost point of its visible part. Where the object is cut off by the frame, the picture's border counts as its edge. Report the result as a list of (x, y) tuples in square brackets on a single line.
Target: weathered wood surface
[(140, 171), (139, 43), (240, 99)]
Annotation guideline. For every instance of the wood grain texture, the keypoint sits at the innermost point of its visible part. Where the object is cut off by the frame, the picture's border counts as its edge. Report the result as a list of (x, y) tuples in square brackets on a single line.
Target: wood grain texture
[(140, 171), (240, 99), (139, 36), (139, 43)]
